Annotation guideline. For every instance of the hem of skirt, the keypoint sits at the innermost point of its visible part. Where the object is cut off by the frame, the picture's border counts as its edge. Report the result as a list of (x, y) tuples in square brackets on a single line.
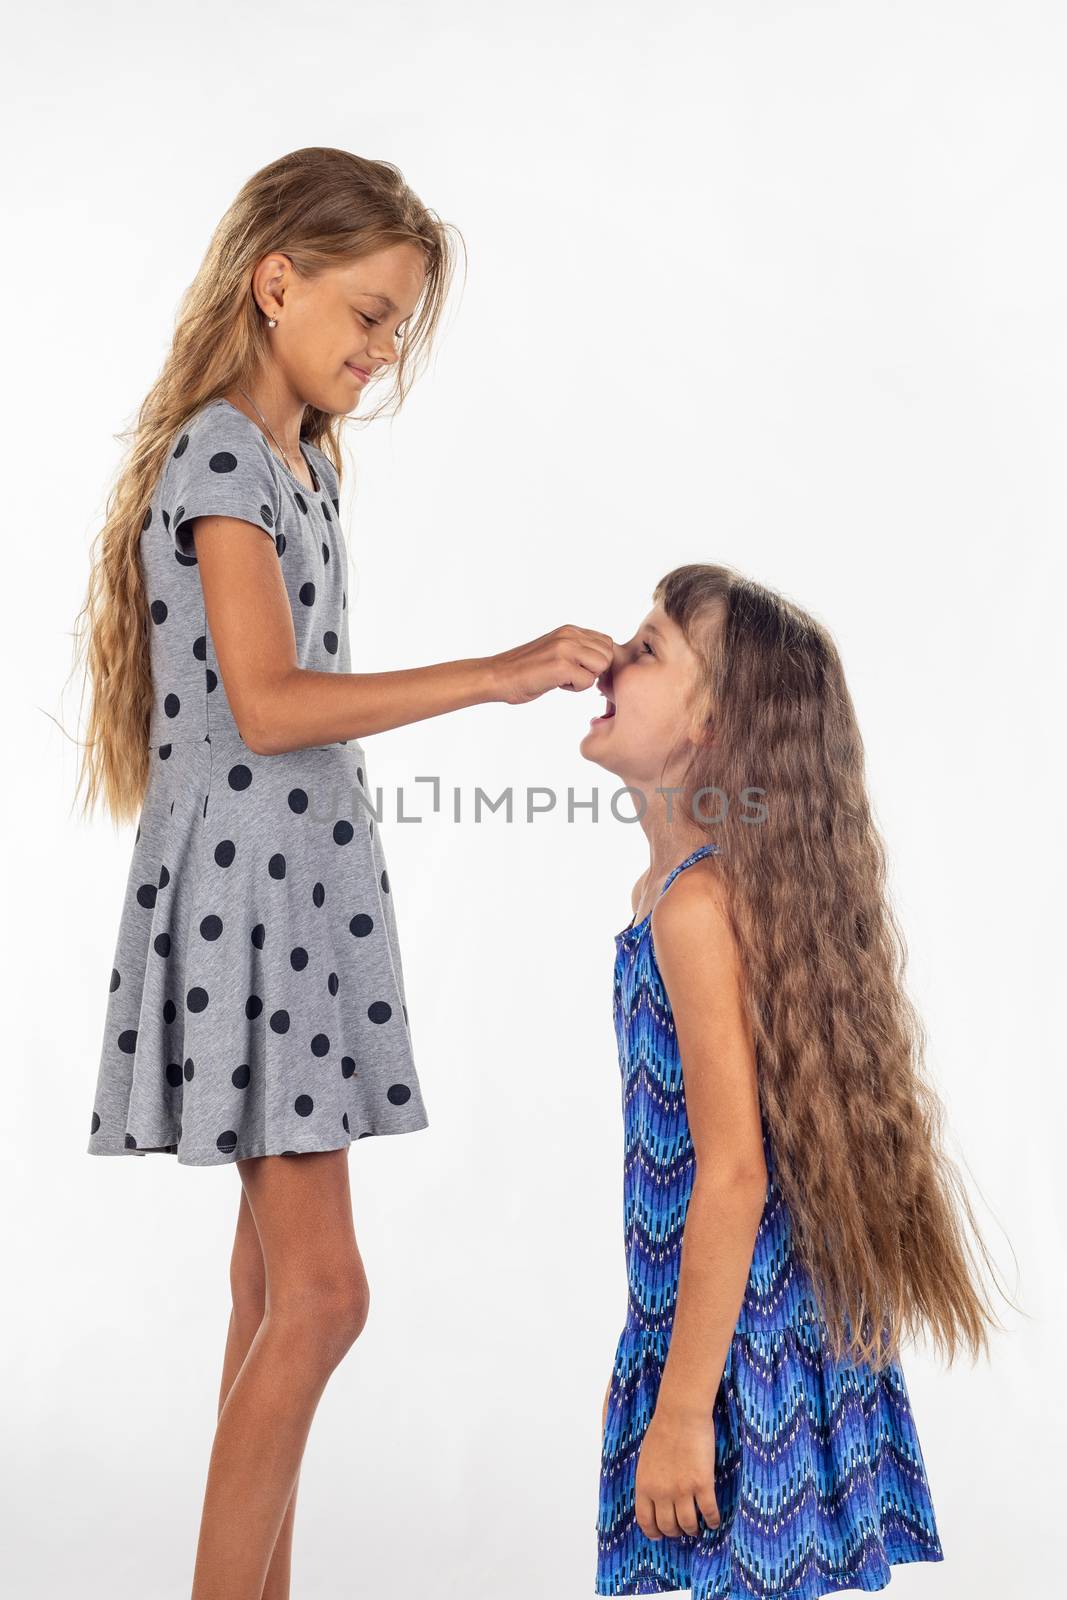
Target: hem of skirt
[(895, 1556), (220, 1158)]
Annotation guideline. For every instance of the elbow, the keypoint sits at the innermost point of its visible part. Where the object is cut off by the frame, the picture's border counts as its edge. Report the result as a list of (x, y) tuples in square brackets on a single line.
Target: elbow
[(742, 1181), (259, 731), (261, 742)]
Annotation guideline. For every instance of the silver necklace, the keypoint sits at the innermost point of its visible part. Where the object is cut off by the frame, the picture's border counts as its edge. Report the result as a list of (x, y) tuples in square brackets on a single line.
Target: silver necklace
[(266, 424)]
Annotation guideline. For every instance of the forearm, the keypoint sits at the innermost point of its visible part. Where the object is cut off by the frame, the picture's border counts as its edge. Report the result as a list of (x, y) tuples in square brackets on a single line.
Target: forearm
[(721, 1224), (301, 707)]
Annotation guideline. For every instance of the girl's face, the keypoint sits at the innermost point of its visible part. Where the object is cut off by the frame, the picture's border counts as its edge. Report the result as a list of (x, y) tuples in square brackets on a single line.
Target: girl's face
[(650, 723), (339, 329)]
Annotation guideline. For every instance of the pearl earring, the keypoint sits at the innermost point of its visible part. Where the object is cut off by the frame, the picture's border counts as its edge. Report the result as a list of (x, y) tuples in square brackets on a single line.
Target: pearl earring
[(272, 322)]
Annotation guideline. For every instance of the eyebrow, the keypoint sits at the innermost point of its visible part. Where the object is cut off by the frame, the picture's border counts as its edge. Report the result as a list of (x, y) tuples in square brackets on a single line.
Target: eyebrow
[(650, 627), (383, 299)]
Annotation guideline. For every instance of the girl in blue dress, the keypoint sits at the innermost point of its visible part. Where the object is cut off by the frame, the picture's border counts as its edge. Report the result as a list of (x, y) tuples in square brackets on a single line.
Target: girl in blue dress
[(789, 1216)]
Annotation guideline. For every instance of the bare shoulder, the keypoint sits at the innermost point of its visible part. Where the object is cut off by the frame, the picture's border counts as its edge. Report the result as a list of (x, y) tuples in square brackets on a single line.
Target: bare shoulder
[(691, 921)]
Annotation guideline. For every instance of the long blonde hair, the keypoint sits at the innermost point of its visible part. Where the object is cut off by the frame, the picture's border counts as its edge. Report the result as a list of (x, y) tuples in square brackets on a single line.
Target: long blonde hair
[(878, 1208), (323, 208)]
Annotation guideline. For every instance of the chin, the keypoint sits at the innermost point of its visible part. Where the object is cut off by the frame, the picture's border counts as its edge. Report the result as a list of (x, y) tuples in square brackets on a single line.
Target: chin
[(589, 749)]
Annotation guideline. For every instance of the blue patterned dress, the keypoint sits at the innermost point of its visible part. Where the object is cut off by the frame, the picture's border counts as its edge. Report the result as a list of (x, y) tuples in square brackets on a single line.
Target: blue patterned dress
[(819, 1478)]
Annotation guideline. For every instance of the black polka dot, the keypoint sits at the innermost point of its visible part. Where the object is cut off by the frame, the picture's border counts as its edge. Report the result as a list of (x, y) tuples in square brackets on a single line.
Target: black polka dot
[(298, 801), (211, 681), (241, 1077), (189, 1069), (211, 927), (303, 1105), (307, 595), (171, 705), (223, 461), (348, 1066), (130, 1142), (329, 639), (385, 882), (170, 1011), (161, 944), (158, 610), (253, 1006), (361, 925), (318, 894), (342, 832), (325, 552), (239, 777), (227, 1141), (115, 979), (181, 447), (298, 958), (279, 543), (398, 1094), (344, 1121), (279, 1021), (94, 1125), (331, 983), (225, 851), (267, 513), (146, 895), (320, 1045), (174, 1074), (128, 1041), (359, 775), (196, 999), (259, 933), (200, 647), (163, 752), (301, 503), (164, 877), (380, 1011), (276, 866)]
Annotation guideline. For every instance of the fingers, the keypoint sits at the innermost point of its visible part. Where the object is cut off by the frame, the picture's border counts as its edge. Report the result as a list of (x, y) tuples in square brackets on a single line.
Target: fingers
[(586, 655), (664, 1517)]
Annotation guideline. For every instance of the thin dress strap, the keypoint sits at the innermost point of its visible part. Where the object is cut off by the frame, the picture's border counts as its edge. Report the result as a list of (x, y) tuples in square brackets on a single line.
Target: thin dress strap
[(704, 850)]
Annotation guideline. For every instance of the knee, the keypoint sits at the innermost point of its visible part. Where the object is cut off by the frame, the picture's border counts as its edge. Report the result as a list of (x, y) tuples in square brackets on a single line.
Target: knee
[(327, 1315)]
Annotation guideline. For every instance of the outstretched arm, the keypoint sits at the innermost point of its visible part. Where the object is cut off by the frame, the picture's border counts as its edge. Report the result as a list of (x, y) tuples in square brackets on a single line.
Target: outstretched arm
[(279, 705)]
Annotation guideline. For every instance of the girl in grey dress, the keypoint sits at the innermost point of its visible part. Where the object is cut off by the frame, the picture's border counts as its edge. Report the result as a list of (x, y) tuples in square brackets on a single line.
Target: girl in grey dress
[(257, 1013)]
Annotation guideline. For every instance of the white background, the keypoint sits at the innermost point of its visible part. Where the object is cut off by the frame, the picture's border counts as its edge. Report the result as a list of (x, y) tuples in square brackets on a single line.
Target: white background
[(776, 285)]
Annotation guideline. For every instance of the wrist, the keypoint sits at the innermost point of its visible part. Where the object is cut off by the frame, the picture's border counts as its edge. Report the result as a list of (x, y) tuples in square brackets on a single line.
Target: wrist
[(487, 679), (675, 1410)]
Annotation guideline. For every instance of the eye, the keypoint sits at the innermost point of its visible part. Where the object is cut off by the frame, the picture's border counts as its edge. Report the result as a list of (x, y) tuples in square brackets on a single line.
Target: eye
[(371, 323), (646, 646)]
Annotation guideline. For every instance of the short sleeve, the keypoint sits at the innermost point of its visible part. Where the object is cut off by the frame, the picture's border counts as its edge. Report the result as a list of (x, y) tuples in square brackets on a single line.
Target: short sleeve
[(220, 466)]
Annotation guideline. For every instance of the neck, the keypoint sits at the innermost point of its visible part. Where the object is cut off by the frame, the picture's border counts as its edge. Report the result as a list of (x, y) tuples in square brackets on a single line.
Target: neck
[(281, 408), (671, 832)]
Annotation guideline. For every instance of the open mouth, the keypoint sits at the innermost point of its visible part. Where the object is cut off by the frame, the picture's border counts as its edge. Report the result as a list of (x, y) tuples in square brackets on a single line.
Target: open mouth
[(608, 712)]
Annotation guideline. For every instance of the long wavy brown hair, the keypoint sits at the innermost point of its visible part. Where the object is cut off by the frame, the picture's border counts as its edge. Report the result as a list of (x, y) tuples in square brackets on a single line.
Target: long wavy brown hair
[(880, 1213), (323, 208)]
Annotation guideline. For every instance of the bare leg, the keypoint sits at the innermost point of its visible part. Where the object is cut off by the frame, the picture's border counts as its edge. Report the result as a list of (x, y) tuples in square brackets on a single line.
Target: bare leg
[(248, 1291), (316, 1301)]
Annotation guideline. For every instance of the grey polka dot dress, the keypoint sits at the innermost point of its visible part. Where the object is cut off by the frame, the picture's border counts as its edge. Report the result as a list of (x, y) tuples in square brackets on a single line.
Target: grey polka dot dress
[(256, 1001)]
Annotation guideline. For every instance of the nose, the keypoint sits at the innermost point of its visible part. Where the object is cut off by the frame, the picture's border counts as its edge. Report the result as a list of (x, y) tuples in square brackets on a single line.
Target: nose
[(606, 678)]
